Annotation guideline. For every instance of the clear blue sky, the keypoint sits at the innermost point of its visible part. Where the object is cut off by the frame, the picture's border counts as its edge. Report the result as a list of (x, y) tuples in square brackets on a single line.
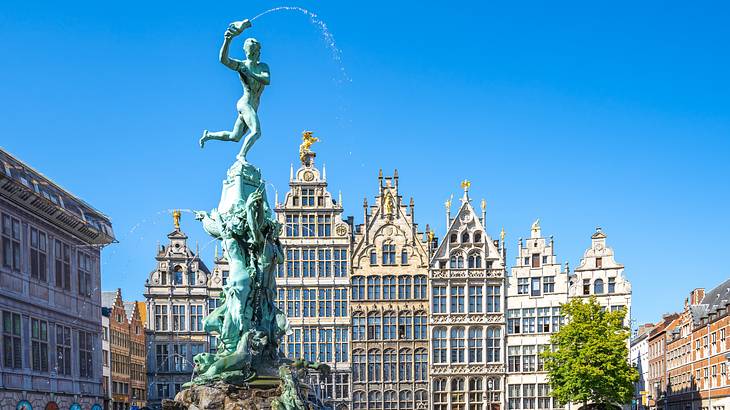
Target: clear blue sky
[(615, 115)]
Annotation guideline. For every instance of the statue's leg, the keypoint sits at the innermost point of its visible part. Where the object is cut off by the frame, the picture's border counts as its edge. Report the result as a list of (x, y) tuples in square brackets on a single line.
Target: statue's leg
[(239, 129), (252, 121)]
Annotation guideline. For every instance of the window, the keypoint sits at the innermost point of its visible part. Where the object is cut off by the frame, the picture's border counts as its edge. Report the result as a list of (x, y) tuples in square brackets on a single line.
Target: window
[(373, 288), (63, 350), (477, 237), (528, 396), (373, 258), (457, 345), (325, 345), (38, 255), (465, 237), (309, 263), (292, 225), (405, 326), (599, 263), (341, 350), (12, 348), (543, 320), (196, 318), (475, 345), (358, 327), (475, 299), (293, 263), (528, 358), (62, 256), (307, 196), (419, 326), (389, 326), (439, 345), (84, 274), (548, 284), (456, 261), (325, 303), (358, 288), (611, 285), (494, 335), (374, 365), (309, 300), (161, 317), (86, 357), (340, 262), (404, 257), (178, 318), (388, 254), (163, 391), (419, 287), (358, 366), (324, 225), (421, 364), (308, 226), (535, 287), (404, 288), (453, 238), (493, 299), (373, 326), (389, 288), (586, 287), (475, 261), (513, 321), (513, 359), (11, 242), (439, 299), (458, 398), (523, 285), (406, 399), (440, 395), (535, 260), (389, 364), (39, 345), (528, 320), (457, 299), (598, 286), (340, 302)]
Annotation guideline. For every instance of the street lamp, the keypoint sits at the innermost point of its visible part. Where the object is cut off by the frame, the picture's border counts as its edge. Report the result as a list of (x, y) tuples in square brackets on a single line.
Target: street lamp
[(490, 386)]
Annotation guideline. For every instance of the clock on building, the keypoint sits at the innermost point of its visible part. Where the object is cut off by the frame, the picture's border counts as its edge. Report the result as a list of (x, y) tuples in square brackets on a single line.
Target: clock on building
[(341, 230)]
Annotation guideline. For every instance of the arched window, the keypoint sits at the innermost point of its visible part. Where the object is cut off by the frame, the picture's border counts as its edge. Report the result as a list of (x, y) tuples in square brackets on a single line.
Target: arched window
[(374, 365), (389, 365), (421, 397), (494, 341), (465, 237), (598, 286), (373, 288), (406, 399), (405, 365), (375, 400), (475, 260), (389, 287), (192, 278), (374, 326), (177, 276), (476, 391), (373, 258), (458, 394), (389, 326), (440, 395), (457, 345), (421, 365), (358, 366), (359, 401), (476, 345), (391, 400), (456, 261), (419, 287), (477, 236), (404, 287), (439, 345), (404, 257), (405, 326), (358, 288), (453, 238), (388, 253), (358, 326), (419, 326), (493, 388)]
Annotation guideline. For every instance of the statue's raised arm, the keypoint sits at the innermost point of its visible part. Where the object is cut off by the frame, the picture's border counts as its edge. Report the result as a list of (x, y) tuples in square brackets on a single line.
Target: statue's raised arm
[(254, 76)]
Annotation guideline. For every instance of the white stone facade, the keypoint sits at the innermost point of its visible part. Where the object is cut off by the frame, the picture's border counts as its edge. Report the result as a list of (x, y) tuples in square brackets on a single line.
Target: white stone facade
[(536, 288), (313, 282), (467, 321)]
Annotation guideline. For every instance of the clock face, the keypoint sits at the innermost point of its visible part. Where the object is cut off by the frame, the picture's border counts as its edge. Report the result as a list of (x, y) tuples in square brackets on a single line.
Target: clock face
[(599, 247), (341, 230), (308, 176), (466, 218)]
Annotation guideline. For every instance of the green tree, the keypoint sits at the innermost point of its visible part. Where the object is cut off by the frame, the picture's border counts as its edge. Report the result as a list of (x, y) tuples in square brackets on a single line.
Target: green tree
[(589, 361)]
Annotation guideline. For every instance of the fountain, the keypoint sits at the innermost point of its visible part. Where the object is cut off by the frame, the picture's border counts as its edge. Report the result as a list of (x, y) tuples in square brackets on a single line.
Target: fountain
[(248, 369)]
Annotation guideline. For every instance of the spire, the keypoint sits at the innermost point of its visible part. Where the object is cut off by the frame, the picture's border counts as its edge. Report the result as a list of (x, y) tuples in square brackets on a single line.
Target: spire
[(465, 185), (176, 218), (324, 172), (484, 212), (339, 198), (447, 204), (215, 255), (535, 230), (276, 198), (291, 172)]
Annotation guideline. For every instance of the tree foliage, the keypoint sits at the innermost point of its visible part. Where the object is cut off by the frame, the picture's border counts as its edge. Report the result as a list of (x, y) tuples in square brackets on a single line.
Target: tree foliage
[(589, 360)]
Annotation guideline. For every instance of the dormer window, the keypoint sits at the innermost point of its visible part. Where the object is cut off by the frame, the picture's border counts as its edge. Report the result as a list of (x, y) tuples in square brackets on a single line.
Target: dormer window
[(599, 263), (453, 237), (477, 237), (465, 237), (177, 278)]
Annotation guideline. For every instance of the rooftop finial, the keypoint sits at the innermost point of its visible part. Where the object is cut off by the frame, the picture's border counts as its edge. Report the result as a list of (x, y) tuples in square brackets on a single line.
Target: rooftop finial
[(305, 154), (502, 235), (176, 218), (536, 226)]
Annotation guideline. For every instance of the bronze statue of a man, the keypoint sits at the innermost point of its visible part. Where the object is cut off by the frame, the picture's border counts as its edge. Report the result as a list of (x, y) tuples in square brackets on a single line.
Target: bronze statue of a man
[(254, 77)]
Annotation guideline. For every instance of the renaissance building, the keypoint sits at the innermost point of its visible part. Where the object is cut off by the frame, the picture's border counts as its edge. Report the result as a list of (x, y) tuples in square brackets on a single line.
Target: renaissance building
[(536, 288), (50, 302), (313, 282), (467, 321), (389, 304), (179, 292)]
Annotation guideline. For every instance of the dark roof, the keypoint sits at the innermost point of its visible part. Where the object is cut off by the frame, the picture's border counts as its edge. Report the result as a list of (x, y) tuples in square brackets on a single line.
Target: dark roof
[(28, 187), (715, 299)]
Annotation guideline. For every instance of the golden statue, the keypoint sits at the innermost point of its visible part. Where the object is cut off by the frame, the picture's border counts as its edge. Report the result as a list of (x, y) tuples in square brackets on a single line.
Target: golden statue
[(447, 204), (304, 152), (176, 218), (389, 204), (501, 236), (536, 225), (430, 236), (465, 184)]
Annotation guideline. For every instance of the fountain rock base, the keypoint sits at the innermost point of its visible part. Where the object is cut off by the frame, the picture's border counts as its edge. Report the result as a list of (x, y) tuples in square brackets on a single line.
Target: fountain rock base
[(226, 396)]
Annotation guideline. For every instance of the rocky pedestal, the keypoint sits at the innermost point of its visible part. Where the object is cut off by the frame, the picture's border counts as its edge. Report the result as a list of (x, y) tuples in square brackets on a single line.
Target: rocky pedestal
[(223, 396)]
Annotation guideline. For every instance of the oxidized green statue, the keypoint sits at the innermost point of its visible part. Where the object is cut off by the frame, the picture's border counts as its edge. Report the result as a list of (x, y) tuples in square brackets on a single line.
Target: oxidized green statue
[(254, 77), (249, 325)]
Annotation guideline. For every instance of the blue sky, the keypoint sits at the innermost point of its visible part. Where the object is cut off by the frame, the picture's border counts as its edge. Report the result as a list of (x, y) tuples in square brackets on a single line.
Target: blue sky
[(583, 115)]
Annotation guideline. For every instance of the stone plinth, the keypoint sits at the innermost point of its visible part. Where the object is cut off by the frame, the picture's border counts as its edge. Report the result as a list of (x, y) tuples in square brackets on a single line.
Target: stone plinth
[(224, 396)]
